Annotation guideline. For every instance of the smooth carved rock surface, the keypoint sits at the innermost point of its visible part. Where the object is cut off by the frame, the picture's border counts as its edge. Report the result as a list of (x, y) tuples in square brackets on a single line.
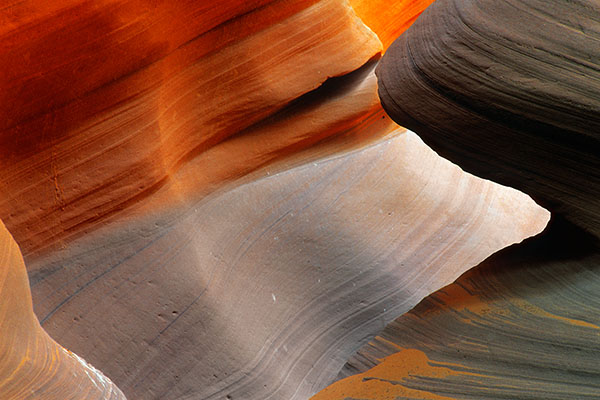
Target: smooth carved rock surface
[(264, 291), (167, 170), (120, 104), (133, 91), (32, 365), (389, 19), (510, 91), (525, 324)]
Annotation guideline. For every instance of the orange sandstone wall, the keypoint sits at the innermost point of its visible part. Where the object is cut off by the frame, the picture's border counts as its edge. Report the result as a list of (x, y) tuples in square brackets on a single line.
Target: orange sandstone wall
[(389, 19), (104, 101)]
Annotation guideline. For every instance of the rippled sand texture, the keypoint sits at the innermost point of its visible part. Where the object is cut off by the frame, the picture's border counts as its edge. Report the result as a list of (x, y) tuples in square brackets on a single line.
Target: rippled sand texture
[(212, 203), (509, 90)]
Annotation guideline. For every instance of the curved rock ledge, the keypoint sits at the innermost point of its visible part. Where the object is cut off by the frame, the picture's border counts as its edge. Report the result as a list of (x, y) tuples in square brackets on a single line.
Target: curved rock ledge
[(264, 291), (510, 91), (524, 324)]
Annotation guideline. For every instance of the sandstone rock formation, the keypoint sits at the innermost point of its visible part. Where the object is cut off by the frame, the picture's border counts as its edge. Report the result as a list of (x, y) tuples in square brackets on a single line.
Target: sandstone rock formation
[(211, 201), (264, 291), (32, 365), (524, 324), (509, 90)]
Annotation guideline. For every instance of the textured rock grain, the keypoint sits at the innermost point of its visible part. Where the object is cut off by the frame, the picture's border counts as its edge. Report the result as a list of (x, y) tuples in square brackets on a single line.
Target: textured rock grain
[(103, 102), (525, 324), (268, 302), (32, 365), (510, 91)]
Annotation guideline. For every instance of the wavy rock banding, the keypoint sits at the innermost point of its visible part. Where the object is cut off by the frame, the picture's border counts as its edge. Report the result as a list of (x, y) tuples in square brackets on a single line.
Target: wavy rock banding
[(32, 365), (524, 324), (72, 158), (509, 90), (212, 202)]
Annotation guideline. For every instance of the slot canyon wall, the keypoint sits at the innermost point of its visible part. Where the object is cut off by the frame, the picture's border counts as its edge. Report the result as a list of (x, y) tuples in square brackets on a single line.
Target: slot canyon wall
[(209, 201), (511, 92)]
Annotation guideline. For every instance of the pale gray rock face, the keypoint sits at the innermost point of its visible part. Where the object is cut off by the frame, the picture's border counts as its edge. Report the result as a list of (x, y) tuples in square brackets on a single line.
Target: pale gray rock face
[(263, 292)]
